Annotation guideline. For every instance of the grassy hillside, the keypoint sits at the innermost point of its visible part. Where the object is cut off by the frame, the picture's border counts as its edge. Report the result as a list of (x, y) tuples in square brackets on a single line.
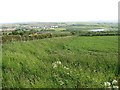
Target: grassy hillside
[(60, 62)]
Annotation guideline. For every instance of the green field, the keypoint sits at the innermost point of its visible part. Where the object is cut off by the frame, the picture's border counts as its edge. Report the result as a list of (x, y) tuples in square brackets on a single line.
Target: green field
[(58, 29), (68, 62)]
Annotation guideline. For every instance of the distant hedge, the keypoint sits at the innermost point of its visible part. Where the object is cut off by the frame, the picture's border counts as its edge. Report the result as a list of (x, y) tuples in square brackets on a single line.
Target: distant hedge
[(12, 38), (98, 33)]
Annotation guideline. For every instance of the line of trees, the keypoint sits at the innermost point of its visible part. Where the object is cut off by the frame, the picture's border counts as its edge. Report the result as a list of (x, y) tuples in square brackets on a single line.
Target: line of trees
[(12, 38), (93, 33), (19, 37)]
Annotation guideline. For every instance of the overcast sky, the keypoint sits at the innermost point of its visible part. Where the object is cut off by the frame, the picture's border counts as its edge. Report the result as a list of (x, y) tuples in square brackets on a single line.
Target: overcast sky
[(58, 10)]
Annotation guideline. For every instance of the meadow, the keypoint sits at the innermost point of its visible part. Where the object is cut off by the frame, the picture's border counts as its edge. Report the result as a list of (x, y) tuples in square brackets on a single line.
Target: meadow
[(60, 62)]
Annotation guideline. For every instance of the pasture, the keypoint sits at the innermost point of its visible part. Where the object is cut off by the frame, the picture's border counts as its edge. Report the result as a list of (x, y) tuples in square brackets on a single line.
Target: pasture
[(60, 62)]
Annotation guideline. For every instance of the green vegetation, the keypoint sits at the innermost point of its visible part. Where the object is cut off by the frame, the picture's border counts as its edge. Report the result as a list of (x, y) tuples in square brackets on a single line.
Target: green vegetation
[(60, 62), (13, 38), (57, 29), (97, 33)]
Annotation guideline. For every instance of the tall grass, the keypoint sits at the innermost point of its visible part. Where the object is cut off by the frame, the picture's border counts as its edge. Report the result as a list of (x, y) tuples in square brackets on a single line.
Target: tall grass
[(83, 62)]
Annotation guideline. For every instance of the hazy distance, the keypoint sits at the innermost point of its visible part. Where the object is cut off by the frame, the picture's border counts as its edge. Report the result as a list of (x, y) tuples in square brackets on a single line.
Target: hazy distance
[(58, 11)]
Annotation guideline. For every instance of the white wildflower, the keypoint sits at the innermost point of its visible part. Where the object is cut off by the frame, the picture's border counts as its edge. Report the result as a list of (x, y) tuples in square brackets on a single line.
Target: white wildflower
[(114, 82), (66, 67), (54, 65), (116, 87), (58, 62), (107, 84), (109, 88), (61, 82)]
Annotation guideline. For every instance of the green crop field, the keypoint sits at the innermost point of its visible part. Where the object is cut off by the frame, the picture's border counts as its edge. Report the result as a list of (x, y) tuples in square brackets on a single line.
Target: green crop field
[(60, 62)]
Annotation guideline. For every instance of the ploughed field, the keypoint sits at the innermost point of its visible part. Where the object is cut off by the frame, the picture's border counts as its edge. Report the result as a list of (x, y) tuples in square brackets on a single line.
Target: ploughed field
[(69, 62)]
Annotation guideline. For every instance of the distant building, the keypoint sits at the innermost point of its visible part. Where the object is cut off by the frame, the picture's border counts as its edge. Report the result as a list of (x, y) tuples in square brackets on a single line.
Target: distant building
[(54, 26)]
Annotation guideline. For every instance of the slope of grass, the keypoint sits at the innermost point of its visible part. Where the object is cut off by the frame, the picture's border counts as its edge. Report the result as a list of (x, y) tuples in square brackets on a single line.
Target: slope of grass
[(68, 62)]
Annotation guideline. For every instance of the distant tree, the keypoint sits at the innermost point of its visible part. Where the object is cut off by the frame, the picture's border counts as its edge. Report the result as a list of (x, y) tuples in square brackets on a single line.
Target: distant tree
[(73, 33), (14, 32), (21, 33)]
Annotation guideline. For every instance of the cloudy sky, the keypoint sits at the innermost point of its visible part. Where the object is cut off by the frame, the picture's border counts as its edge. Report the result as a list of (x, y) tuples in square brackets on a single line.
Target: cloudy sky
[(58, 10)]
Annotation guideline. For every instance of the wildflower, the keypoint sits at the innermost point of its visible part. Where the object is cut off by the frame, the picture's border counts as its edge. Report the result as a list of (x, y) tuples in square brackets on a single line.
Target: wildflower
[(116, 87), (114, 82), (109, 88), (54, 65), (66, 67), (58, 62), (61, 82), (107, 84)]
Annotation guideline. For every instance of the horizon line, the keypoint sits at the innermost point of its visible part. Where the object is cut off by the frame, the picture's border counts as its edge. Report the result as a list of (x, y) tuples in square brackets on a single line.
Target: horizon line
[(102, 21)]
